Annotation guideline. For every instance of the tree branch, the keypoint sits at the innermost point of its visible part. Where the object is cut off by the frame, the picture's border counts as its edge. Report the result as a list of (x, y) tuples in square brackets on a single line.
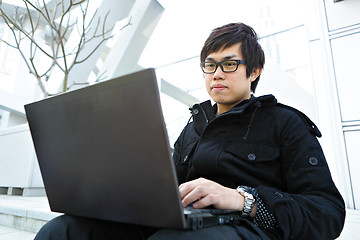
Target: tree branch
[(25, 26)]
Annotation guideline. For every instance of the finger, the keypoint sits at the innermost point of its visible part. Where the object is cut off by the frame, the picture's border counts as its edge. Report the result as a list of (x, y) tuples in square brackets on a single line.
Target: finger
[(187, 187), (196, 194), (208, 200)]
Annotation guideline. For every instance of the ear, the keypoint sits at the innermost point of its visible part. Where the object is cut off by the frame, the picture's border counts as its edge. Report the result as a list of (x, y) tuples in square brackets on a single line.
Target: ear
[(255, 74)]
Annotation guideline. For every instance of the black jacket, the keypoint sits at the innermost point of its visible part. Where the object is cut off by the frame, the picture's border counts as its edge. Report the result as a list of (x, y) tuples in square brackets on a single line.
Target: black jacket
[(273, 148)]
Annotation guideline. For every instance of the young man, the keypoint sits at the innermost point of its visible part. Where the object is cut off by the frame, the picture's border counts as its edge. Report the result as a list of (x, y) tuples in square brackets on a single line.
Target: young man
[(246, 153)]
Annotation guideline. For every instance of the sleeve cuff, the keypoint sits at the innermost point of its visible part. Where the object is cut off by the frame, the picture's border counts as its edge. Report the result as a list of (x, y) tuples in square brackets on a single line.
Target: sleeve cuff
[(263, 217)]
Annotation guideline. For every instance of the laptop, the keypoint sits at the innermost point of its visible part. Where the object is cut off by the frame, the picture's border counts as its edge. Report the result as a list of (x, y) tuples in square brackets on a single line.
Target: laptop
[(104, 153)]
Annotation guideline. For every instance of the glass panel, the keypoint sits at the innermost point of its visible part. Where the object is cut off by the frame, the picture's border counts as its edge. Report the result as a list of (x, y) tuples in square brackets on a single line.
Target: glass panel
[(288, 50), (342, 14), (346, 52), (353, 151)]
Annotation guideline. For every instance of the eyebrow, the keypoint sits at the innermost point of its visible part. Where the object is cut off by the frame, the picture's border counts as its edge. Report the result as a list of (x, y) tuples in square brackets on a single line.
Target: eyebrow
[(224, 58)]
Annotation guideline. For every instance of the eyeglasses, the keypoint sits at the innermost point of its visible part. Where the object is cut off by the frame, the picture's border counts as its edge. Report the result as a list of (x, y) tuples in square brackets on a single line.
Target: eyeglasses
[(226, 66)]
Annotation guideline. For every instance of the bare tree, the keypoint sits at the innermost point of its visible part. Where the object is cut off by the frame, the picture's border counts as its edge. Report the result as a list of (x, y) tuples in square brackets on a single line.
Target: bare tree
[(55, 23)]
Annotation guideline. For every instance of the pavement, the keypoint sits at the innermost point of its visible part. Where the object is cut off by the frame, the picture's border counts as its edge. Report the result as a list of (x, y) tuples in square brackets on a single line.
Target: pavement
[(22, 217)]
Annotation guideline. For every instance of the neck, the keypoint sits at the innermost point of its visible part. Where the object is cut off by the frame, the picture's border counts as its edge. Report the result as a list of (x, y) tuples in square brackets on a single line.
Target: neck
[(221, 108)]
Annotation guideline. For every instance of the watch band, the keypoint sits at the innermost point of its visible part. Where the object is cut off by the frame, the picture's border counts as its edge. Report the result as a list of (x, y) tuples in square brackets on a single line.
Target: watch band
[(249, 200)]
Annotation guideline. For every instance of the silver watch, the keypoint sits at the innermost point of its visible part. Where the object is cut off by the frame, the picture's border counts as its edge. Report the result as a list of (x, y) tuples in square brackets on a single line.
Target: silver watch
[(249, 201)]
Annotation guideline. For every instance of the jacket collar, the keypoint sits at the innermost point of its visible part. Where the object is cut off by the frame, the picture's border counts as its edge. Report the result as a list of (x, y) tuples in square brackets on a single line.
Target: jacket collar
[(204, 112)]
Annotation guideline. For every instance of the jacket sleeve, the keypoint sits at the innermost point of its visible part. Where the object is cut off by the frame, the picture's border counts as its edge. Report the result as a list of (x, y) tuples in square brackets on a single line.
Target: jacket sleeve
[(310, 206)]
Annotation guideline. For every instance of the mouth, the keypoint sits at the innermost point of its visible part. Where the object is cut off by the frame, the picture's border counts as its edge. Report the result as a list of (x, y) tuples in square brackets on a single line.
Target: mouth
[(218, 87)]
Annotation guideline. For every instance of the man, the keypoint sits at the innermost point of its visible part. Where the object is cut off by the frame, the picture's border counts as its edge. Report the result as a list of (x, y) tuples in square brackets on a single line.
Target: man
[(245, 153)]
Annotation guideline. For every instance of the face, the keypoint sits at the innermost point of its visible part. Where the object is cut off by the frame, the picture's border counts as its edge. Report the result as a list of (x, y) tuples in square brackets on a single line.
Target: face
[(228, 89)]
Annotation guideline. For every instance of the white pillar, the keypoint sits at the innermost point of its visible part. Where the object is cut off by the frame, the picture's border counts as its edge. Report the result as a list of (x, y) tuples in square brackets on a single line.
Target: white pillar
[(130, 43), (326, 98)]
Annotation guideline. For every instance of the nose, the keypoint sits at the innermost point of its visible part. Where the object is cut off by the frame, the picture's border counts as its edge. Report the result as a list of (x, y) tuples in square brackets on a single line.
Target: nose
[(218, 74)]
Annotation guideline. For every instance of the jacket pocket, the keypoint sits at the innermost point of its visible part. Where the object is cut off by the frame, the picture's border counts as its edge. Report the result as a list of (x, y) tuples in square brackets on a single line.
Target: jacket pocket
[(183, 163), (253, 152)]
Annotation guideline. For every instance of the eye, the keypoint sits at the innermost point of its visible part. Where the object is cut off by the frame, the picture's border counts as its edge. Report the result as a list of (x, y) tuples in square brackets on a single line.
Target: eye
[(229, 63), (209, 65)]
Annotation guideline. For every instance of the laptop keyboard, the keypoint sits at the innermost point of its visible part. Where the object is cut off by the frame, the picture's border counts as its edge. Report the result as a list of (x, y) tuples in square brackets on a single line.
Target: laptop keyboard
[(190, 210)]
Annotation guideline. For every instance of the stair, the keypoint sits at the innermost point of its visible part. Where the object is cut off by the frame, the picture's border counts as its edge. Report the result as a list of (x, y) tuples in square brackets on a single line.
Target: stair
[(24, 213)]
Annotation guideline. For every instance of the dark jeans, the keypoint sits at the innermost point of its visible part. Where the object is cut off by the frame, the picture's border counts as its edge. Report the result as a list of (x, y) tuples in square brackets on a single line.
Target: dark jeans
[(77, 228)]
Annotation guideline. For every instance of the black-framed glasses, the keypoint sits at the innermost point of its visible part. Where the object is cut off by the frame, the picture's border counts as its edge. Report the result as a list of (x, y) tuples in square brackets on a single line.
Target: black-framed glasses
[(226, 66)]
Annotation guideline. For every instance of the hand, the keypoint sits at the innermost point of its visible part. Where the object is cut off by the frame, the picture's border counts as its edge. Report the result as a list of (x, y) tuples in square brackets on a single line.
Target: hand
[(203, 193)]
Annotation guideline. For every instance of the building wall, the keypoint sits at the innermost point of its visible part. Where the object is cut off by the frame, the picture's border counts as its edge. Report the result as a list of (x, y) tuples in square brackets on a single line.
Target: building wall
[(335, 46)]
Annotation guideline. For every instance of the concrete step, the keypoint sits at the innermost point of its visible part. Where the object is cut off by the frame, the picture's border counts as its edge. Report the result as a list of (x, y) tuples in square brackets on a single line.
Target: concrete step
[(24, 213), (7, 233)]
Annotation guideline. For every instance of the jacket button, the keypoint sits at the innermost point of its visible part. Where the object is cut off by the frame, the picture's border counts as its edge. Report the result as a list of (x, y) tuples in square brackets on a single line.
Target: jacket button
[(279, 194), (251, 156), (195, 111), (313, 161), (258, 104)]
